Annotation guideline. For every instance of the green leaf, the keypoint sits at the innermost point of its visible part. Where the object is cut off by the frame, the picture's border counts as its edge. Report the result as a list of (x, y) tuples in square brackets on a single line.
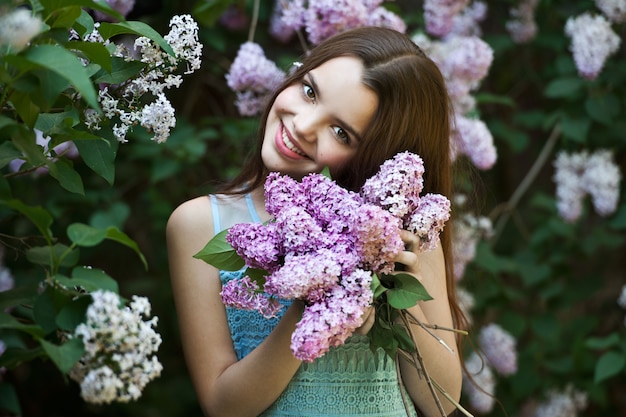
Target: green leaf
[(220, 254), (50, 123), (113, 233), (64, 173), (257, 275), (600, 343), (407, 291), (609, 365), (603, 108), (576, 129), (13, 357), (95, 52), (36, 214), (23, 104), (107, 30), (120, 71), (563, 87), (381, 336), (52, 5), (8, 152), (19, 295), (90, 279), (9, 322), (46, 307), (8, 398), (99, 155), (73, 313), (53, 256), (64, 63), (377, 288), (84, 235), (65, 355)]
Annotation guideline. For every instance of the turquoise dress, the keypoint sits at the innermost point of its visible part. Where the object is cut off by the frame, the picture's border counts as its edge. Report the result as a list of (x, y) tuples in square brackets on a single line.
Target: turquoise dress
[(349, 380)]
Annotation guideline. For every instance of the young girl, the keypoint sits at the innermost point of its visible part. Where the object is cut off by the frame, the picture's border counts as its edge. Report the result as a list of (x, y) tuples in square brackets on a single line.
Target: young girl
[(357, 100)]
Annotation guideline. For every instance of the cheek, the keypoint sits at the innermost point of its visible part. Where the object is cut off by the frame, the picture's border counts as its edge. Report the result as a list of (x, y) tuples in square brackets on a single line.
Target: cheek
[(337, 159)]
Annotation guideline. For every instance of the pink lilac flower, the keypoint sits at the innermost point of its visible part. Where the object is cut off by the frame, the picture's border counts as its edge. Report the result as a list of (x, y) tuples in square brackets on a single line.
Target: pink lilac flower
[(467, 23), (479, 384), (253, 78), (565, 403), (378, 239), (325, 18), (382, 17), (522, 25), (439, 15), (256, 244), (279, 29), (467, 230), (593, 42), (499, 347), (246, 294), (428, 220), (602, 179), (614, 10), (472, 137), (297, 230)]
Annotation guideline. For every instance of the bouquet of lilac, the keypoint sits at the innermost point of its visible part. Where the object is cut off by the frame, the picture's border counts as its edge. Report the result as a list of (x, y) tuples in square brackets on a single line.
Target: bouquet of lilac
[(334, 249)]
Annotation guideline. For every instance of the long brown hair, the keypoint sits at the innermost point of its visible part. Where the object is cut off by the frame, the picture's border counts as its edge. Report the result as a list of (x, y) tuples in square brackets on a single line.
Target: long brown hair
[(413, 115)]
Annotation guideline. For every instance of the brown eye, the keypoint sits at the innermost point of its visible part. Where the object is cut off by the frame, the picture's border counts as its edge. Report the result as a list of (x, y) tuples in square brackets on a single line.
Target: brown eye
[(341, 135), (308, 91)]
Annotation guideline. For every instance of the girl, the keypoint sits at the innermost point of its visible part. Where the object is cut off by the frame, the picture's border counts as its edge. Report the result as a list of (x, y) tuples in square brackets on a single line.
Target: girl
[(357, 100)]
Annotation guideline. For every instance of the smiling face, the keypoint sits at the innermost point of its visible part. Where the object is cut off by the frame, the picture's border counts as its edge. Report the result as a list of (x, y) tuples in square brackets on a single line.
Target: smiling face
[(319, 121)]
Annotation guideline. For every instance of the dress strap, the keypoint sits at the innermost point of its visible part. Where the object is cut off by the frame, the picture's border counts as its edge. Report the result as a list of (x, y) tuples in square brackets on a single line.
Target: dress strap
[(253, 214), (217, 227)]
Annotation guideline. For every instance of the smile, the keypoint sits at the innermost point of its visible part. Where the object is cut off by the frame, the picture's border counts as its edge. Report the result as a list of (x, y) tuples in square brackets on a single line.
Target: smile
[(289, 144)]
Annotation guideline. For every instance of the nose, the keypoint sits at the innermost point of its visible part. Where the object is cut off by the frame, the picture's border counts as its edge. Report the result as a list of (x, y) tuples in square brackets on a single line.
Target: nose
[(305, 126)]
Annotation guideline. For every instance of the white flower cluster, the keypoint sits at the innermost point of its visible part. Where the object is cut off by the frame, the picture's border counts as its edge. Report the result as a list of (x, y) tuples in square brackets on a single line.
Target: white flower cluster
[(614, 10), (125, 103), (499, 347), (522, 25), (579, 174), (621, 300), (119, 347), (467, 230), (479, 384), (593, 42), (566, 403), (18, 27)]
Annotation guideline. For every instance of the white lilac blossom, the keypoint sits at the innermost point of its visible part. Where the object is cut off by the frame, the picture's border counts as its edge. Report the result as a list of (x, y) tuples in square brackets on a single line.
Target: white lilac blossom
[(479, 384), (593, 42), (119, 353), (566, 403), (324, 243), (253, 78), (614, 10), (321, 19), (621, 300), (18, 28), (439, 15), (499, 347), (580, 174), (128, 104), (471, 137), (466, 302), (67, 149), (123, 7), (6, 277), (467, 230), (522, 27)]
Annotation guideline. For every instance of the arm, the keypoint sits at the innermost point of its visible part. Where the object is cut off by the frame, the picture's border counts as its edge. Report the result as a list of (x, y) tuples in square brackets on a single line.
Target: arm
[(444, 367), (224, 385)]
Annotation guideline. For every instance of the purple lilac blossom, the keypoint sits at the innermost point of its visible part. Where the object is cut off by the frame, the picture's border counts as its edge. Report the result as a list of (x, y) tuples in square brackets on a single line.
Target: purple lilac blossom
[(499, 347), (428, 220), (123, 7), (279, 29), (382, 17), (325, 18), (472, 137), (256, 244), (593, 42), (246, 294), (522, 25), (253, 77), (467, 23), (378, 239), (439, 15), (482, 379), (569, 190)]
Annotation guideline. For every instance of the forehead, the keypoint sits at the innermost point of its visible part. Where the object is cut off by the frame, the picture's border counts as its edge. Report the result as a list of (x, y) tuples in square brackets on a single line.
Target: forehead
[(341, 90)]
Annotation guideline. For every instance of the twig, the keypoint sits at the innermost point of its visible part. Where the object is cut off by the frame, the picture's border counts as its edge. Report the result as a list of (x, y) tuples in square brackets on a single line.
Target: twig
[(255, 19), (508, 207), (414, 320)]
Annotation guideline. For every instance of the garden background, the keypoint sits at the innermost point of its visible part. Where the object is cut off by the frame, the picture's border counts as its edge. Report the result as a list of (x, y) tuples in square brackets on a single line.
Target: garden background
[(552, 283)]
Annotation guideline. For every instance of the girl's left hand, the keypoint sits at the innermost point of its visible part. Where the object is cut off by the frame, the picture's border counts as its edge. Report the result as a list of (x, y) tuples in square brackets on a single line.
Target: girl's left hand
[(409, 257)]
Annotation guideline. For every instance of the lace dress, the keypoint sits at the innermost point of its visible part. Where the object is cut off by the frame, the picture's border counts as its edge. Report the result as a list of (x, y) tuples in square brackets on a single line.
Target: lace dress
[(349, 380)]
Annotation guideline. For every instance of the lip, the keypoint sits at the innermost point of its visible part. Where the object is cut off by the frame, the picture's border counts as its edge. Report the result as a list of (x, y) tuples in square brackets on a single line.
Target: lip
[(282, 147)]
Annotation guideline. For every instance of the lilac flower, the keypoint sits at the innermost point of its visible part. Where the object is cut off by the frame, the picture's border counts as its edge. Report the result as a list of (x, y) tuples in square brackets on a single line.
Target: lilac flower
[(19, 27), (568, 402), (569, 190), (279, 28), (614, 10), (621, 300), (467, 230), (397, 184), (378, 239), (499, 348), (472, 137), (257, 244), (428, 220), (467, 22), (593, 42), (253, 78), (246, 294), (439, 15), (297, 230), (123, 7), (601, 179), (480, 397), (522, 25), (325, 18), (281, 191), (382, 17)]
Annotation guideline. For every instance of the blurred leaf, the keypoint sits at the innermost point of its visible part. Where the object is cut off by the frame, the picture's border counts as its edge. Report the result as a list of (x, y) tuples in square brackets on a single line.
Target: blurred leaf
[(50, 123), (8, 152), (13, 357), (59, 60), (603, 108), (208, 12), (491, 262), (73, 313), (64, 17), (36, 214), (51, 255), (46, 308), (609, 365), (407, 291), (23, 104), (576, 129), (563, 87), (18, 295), (220, 254), (84, 235), (92, 279), (99, 155), (61, 169), (9, 322), (113, 233), (8, 399), (65, 355), (115, 215), (599, 343), (53, 5)]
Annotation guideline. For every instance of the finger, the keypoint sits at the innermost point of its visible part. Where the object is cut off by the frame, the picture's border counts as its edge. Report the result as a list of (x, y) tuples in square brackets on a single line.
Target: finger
[(411, 240)]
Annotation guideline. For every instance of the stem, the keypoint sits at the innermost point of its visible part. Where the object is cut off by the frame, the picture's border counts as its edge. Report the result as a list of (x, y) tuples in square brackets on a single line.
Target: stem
[(507, 208), (255, 19)]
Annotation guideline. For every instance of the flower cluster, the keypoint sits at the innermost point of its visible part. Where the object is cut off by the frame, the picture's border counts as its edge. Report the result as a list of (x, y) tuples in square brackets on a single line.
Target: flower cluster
[(119, 347), (522, 25), (439, 15), (568, 402), (479, 384), (325, 242), (467, 22), (467, 230), (614, 10), (322, 19), (125, 102), (499, 348), (593, 42), (582, 173), (253, 78), (18, 27)]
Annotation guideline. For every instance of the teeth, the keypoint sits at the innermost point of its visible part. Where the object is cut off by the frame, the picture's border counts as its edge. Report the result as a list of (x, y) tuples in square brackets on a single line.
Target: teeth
[(290, 145)]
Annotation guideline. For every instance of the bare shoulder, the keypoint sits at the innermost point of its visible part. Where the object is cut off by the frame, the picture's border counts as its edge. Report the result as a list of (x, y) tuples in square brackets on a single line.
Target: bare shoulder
[(191, 218)]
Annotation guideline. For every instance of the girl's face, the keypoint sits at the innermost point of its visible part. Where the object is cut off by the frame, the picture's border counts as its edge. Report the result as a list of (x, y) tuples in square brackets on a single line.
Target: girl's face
[(319, 121)]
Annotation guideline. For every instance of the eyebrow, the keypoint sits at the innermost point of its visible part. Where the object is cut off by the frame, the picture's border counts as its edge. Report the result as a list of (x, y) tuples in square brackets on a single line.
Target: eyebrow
[(343, 124)]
